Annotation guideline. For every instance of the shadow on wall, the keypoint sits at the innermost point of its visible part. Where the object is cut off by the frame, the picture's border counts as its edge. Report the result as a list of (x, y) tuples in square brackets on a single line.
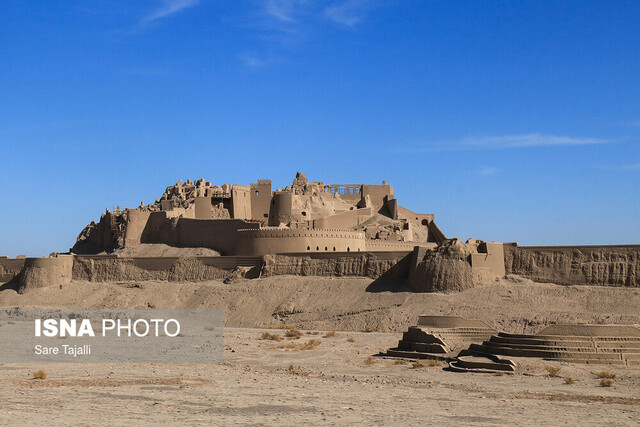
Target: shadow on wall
[(395, 279), (11, 285)]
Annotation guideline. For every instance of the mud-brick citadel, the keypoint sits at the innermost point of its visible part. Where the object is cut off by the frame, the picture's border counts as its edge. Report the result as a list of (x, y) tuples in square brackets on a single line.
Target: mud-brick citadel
[(306, 229), (255, 220)]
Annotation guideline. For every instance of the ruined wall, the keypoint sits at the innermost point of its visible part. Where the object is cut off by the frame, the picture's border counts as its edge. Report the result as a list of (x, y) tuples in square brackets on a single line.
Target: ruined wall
[(220, 235), (241, 202), (10, 268), (274, 240), (136, 223), (203, 208), (281, 208), (113, 269), (388, 245), (261, 199), (43, 272), (455, 266), (388, 266), (343, 220), (576, 265), (377, 193)]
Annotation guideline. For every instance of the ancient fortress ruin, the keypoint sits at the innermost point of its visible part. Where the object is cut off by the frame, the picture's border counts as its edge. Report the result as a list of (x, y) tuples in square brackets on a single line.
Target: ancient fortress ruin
[(305, 229), (254, 220)]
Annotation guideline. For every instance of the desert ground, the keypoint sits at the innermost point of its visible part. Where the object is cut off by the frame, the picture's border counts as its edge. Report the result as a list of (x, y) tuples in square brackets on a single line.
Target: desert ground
[(340, 379)]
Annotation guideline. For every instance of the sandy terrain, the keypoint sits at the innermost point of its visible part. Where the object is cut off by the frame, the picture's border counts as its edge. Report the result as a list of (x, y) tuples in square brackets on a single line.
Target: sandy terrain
[(512, 305), (331, 384)]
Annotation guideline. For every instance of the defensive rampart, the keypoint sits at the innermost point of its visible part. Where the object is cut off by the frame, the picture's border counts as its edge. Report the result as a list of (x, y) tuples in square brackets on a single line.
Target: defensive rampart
[(275, 240), (387, 265), (576, 265)]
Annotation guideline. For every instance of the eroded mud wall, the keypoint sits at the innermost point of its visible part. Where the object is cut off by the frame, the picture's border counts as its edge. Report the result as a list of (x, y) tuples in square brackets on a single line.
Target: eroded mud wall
[(576, 265)]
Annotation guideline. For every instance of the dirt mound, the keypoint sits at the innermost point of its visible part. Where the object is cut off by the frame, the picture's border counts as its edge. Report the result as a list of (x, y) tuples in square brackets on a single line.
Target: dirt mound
[(513, 305)]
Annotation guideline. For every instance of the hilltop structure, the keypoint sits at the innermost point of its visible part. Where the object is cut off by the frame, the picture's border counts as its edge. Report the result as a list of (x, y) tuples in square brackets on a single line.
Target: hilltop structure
[(254, 220)]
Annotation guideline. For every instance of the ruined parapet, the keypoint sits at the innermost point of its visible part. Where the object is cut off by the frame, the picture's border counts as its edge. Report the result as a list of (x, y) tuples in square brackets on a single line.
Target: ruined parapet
[(455, 266), (42, 272)]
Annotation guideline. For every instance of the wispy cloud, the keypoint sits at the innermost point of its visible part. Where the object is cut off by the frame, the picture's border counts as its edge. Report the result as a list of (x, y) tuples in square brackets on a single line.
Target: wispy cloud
[(487, 171), (168, 8), (285, 10), (348, 13), (511, 141), (255, 60)]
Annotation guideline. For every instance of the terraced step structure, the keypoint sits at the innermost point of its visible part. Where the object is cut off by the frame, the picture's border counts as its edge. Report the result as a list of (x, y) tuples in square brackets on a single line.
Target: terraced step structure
[(440, 337), (609, 344)]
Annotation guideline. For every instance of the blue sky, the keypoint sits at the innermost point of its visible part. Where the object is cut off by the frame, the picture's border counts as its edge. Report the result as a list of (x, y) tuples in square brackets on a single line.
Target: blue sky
[(511, 121)]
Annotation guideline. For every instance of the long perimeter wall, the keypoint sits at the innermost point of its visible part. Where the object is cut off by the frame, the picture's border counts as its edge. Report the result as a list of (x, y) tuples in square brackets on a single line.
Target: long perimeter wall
[(576, 265)]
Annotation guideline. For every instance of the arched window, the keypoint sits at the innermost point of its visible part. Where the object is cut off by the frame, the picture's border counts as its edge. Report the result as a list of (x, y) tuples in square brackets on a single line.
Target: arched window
[(348, 249), (317, 248), (308, 248), (334, 249), (326, 248), (342, 190)]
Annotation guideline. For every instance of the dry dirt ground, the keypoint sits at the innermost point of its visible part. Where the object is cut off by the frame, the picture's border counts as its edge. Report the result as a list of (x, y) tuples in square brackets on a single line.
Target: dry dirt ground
[(332, 383)]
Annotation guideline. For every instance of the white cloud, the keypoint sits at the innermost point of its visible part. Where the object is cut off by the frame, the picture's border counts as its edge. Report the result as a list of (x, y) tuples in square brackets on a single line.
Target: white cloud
[(254, 60), (169, 8), (347, 13), (487, 171), (511, 141), (287, 11)]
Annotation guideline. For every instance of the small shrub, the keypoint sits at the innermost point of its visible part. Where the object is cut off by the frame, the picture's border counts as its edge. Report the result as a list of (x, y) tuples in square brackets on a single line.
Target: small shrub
[(293, 334), (209, 328), (40, 375), (606, 382), (310, 345), (297, 370), (369, 329), (351, 339), (330, 334), (430, 363), (568, 380), (289, 346), (553, 370), (313, 333), (369, 361), (606, 375), (11, 322), (272, 337), (498, 374), (400, 362), (275, 327)]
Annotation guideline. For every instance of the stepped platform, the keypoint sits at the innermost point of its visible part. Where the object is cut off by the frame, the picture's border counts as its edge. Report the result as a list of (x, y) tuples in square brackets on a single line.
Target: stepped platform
[(440, 337), (607, 344)]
